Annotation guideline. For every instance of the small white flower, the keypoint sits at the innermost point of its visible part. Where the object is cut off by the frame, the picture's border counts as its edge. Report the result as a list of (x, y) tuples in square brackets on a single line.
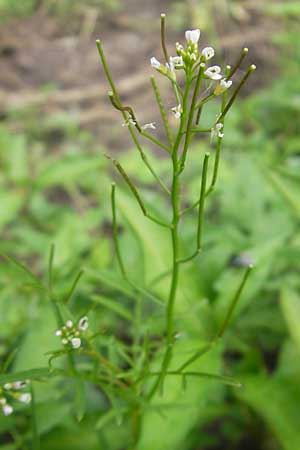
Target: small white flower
[(64, 341), (213, 72), (69, 323), (128, 122), (208, 53), (2, 401), (177, 111), (76, 342), (218, 128), (8, 386), (19, 385), (58, 333), (217, 131), (223, 86), (192, 36), (25, 398), (83, 323), (155, 63), (176, 61), (148, 126), (7, 410)]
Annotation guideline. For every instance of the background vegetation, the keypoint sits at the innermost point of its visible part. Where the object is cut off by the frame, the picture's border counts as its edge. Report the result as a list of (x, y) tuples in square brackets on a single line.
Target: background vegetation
[(55, 186)]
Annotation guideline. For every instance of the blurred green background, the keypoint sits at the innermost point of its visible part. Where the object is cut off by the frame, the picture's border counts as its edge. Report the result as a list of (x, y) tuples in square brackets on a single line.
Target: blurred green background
[(55, 126)]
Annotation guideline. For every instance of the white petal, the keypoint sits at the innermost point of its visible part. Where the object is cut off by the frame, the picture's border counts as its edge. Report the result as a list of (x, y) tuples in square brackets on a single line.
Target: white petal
[(76, 342), (149, 126), (208, 53), (213, 73), (69, 323), (176, 60), (192, 36), (83, 323), (25, 398), (19, 384), (155, 63), (7, 410)]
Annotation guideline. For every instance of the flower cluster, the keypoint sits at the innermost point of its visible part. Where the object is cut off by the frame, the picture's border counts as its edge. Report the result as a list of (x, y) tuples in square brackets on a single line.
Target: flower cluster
[(71, 334), (189, 58), (13, 391)]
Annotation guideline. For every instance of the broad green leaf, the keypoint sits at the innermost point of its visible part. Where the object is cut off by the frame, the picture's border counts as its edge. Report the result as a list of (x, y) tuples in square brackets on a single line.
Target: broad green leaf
[(170, 418), (276, 399), (113, 305), (68, 169)]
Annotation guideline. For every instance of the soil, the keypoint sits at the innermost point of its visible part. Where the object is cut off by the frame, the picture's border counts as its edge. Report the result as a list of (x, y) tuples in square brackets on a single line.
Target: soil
[(51, 63)]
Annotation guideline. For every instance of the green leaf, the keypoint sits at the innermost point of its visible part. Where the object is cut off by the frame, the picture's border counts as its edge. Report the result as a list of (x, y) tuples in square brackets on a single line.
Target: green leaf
[(276, 400), (69, 169), (290, 304), (180, 410), (33, 374), (112, 305), (80, 399)]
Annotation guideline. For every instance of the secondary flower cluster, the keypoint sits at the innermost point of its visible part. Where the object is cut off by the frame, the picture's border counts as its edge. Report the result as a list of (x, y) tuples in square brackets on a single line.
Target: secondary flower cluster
[(71, 334), (13, 391), (189, 58)]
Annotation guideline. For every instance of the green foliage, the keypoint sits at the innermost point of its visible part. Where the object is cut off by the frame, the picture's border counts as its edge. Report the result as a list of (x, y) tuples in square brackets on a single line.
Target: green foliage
[(252, 216)]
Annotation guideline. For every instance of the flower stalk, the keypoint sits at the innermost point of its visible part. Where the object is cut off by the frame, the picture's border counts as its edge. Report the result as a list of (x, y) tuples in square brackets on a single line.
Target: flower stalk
[(203, 83)]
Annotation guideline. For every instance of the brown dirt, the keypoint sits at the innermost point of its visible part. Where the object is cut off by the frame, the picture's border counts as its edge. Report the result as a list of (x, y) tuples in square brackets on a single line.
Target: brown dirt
[(43, 51)]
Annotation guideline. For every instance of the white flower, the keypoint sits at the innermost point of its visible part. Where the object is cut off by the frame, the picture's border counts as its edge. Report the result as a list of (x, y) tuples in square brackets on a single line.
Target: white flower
[(208, 53), (213, 73), (8, 386), (150, 126), (217, 130), (155, 63), (2, 400), (7, 410), (69, 323), (176, 61), (25, 398), (58, 333), (19, 385), (76, 342), (64, 341), (192, 36), (83, 323), (128, 122), (223, 86), (177, 111)]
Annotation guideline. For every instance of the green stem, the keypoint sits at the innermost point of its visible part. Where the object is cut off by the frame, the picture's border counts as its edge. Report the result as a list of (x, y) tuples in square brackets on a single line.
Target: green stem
[(238, 63), (234, 302), (234, 95), (115, 231), (162, 110), (201, 203), (157, 142), (36, 445), (188, 135), (175, 200), (131, 131), (137, 195), (163, 36)]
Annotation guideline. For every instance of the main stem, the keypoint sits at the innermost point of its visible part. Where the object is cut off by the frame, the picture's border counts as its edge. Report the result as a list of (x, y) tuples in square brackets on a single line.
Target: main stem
[(175, 200)]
